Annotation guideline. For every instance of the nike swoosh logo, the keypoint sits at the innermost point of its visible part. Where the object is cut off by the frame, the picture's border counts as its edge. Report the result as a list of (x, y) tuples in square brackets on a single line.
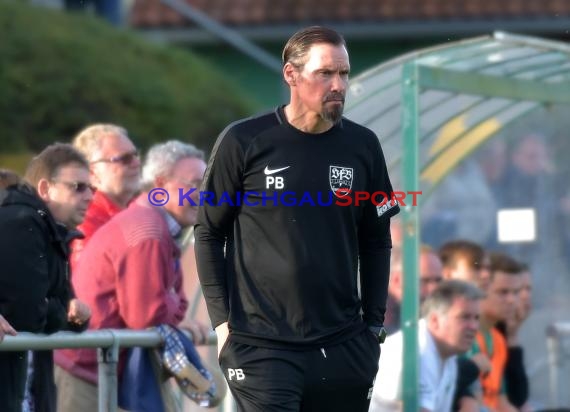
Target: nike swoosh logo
[(269, 171)]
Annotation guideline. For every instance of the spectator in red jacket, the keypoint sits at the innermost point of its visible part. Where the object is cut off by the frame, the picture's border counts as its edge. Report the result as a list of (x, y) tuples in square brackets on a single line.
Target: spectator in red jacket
[(130, 272)]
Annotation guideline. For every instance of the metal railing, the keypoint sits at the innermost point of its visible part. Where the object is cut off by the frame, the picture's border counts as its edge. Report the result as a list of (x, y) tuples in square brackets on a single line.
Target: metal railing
[(106, 341)]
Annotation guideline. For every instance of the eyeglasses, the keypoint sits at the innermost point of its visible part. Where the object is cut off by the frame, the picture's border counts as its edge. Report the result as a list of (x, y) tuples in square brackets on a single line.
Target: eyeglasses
[(124, 159), (193, 184), (77, 187)]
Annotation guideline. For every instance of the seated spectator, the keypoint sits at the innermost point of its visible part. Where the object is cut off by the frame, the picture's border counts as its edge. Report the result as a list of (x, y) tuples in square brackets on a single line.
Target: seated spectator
[(130, 271), (516, 379), (499, 305), (430, 275), (449, 326), (464, 260)]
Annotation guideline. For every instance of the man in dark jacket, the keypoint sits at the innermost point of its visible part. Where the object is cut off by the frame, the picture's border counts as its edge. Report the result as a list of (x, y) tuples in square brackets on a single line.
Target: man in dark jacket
[(36, 219)]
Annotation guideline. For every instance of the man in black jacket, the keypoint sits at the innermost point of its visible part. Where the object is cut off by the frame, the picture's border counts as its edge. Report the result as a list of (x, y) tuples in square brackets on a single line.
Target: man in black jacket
[(36, 220)]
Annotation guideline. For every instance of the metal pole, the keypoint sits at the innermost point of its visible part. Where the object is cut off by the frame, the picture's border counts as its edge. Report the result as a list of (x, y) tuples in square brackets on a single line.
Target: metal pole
[(108, 359), (410, 298), (556, 360), (553, 363)]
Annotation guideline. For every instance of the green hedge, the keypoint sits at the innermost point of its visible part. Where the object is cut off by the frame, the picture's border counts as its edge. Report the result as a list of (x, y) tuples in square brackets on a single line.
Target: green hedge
[(60, 72)]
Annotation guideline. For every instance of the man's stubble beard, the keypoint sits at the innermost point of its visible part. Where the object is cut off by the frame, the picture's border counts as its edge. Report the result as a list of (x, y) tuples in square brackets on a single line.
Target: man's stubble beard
[(333, 114)]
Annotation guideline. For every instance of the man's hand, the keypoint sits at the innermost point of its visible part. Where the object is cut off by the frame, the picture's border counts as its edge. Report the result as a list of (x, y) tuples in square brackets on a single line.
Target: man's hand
[(198, 330), (482, 361), (6, 328), (222, 332), (78, 312)]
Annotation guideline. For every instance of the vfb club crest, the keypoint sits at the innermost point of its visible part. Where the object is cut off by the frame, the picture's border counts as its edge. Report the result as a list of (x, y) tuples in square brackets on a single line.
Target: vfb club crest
[(340, 179)]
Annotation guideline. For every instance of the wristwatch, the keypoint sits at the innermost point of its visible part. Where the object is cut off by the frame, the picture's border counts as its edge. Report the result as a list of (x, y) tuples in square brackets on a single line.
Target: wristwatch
[(379, 332)]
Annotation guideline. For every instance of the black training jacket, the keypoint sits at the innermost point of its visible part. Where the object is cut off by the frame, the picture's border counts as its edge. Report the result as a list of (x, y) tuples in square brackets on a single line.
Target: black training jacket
[(279, 240)]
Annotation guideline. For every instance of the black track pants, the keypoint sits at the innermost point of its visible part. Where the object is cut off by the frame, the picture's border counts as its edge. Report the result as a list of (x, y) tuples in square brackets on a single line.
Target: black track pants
[(337, 378), (13, 370)]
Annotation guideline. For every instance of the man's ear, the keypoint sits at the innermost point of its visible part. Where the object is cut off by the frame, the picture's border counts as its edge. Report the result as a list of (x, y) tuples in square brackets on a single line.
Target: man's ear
[(43, 189), (290, 74), (433, 321)]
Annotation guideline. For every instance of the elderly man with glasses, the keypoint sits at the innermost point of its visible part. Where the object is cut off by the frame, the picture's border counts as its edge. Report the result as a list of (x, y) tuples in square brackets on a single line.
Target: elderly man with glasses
[(114, 169)]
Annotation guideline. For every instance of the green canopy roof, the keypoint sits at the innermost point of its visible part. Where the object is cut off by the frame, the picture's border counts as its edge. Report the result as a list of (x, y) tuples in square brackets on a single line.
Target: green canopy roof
[(468, 91)]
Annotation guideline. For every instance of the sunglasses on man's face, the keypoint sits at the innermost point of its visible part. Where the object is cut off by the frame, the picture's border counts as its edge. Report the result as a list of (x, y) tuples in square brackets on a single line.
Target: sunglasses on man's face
[(77, 187), (124, 159)]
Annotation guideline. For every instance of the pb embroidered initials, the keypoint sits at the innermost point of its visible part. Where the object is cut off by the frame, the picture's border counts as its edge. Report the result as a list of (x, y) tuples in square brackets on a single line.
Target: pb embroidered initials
[(276, 181), (236, 374)]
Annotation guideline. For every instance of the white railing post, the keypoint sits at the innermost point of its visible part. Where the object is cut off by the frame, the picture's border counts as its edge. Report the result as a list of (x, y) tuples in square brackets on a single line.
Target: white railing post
[(108, 359)]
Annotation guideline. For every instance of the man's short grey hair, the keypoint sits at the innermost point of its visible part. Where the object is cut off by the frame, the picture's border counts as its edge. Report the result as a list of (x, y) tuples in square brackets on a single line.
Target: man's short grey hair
[(441, 299), (88, 141), (161, 159)]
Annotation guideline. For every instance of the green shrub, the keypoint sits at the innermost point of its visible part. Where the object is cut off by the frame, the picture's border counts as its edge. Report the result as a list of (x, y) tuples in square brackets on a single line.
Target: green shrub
[(60, 72)]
